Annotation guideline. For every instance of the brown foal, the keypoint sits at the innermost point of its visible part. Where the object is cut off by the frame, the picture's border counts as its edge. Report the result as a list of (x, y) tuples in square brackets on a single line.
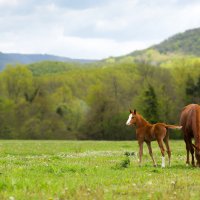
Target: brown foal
[(146, 132)]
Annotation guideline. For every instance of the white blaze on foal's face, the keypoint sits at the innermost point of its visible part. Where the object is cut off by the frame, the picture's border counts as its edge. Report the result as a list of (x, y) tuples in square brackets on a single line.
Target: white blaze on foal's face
[(129, 119)]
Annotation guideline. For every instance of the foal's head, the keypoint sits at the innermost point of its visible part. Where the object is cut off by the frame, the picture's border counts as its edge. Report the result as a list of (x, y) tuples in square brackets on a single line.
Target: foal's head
[(132, 118)]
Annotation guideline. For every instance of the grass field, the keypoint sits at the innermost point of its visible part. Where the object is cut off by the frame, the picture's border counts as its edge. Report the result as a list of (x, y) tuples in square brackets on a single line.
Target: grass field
[(93, 170)]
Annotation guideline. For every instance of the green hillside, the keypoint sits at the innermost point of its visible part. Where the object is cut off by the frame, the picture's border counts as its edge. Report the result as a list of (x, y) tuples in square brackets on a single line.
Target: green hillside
[(49, 67), (187, 43), (182, 45)]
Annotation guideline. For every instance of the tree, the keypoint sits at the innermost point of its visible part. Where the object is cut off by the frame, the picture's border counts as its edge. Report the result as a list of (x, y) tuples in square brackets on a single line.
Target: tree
[(197, 89), (192, 90), (17, 81), (150, 105)]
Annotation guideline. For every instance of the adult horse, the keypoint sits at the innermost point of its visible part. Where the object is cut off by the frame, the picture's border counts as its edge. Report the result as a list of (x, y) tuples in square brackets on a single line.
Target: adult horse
[(146, 132), (190, 120)]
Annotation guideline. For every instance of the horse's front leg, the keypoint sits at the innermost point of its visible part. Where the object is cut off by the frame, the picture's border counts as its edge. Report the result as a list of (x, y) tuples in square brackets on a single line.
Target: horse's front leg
[(140, 152)]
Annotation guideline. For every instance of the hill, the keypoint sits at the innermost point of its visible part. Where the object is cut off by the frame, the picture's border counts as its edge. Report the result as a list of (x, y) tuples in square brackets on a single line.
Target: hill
[(179, 46), (187, 43), (182, 45), (14, 58)]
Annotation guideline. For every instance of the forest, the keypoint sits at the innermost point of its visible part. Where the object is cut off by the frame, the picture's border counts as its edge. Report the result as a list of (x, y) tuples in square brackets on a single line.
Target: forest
[(57, 100)]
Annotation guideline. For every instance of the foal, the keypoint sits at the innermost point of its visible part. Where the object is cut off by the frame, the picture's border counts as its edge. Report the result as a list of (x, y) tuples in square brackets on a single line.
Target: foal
[(146, 132)]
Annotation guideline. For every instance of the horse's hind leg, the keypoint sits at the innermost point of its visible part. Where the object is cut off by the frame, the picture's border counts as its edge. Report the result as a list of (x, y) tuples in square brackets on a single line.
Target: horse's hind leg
[(160, 143), (192, 152), (151, 153), (187, 150), (166, 141)]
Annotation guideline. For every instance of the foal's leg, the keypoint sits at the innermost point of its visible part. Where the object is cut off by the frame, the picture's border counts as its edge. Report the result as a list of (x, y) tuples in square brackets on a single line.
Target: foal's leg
[(151, 153), (160, 143), (140, 152), (166, 141)]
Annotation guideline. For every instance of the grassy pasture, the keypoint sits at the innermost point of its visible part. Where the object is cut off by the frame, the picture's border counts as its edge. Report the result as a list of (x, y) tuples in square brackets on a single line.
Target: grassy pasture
[(93, 170)]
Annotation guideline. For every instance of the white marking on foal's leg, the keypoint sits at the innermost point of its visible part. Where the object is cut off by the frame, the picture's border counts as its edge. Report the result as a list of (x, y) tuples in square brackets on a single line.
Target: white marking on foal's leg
[(163, 161)]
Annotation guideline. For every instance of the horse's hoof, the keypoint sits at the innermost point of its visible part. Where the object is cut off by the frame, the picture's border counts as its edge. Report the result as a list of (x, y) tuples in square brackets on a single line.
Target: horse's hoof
[(197, 165), (155, 165)]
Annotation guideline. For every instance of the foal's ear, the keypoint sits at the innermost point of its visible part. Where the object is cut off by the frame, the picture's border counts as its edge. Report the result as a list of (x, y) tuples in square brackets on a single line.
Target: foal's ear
[(135, 111), (131, 111)]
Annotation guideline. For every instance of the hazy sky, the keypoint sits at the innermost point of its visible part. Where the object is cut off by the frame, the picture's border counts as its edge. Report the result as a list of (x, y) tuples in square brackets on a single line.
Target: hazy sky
[(92, 28)]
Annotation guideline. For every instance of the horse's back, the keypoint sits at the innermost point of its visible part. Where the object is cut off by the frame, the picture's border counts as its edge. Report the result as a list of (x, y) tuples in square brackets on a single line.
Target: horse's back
[(190, 117)]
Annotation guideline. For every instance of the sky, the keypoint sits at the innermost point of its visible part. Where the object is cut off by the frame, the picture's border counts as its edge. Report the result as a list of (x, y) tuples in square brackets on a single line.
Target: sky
[(92, 29)]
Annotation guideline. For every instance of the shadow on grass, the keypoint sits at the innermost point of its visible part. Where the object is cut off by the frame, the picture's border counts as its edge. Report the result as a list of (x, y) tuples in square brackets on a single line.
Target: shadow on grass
[(173, 167), (159, 169), (183, 166)]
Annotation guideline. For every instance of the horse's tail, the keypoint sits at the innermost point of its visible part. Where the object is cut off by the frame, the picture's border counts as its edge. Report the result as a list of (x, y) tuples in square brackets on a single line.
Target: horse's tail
[(173, 127)]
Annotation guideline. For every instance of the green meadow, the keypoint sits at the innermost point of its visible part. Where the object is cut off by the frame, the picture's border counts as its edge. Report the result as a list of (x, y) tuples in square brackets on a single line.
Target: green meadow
[(93, 170)]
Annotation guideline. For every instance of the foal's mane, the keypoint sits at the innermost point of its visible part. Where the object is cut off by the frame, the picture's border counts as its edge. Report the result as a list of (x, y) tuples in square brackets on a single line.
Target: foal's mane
[(141, 119)]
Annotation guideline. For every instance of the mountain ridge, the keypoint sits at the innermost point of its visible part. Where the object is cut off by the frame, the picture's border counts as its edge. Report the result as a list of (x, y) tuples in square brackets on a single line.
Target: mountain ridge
[(185, 43), (15, 58), (180, 45)]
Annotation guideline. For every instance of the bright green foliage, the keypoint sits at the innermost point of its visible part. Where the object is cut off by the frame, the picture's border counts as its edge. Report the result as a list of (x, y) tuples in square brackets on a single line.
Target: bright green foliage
[(17, 80), (52, 100)]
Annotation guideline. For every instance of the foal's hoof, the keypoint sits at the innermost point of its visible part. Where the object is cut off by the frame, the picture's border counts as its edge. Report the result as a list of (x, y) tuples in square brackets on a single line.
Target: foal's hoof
[(155, 165)]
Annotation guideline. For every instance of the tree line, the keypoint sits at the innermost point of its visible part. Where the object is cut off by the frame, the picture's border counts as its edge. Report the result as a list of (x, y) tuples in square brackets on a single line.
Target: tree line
[(53, 100)]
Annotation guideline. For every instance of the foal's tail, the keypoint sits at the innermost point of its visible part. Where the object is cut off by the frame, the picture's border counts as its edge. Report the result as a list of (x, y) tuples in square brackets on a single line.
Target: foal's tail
[(173, 127)]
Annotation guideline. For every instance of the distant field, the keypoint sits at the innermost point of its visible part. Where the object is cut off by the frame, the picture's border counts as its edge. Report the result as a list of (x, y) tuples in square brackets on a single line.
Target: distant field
[(92, 170)]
